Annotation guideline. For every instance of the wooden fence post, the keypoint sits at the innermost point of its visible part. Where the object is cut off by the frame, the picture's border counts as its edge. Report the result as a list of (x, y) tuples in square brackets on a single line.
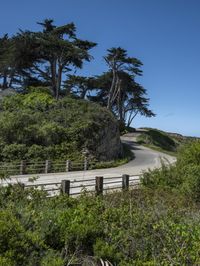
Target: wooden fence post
[(21, 185), (85, 164), (125, 182), (65, 187), (22, 169), (99, 185), (68, 165), (47, 166)]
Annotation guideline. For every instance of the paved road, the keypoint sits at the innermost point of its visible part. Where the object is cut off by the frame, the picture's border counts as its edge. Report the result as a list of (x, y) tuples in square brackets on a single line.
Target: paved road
[(145, 159)]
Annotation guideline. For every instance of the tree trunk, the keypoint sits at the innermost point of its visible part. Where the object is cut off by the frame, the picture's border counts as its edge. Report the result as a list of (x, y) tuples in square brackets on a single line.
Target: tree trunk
[(58, 81), (53, 77), (116, 90), (12, 73), (83, 93), (5, 80), (120, 104), (110, 93), (131, 117)]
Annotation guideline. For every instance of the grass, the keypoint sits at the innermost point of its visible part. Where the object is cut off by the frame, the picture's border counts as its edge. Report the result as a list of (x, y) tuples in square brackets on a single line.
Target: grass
[(159, 141), (165, 142)]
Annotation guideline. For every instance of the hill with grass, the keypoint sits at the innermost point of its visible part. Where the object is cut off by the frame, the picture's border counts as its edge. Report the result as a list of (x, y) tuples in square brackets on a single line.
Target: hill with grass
[(163, 141)]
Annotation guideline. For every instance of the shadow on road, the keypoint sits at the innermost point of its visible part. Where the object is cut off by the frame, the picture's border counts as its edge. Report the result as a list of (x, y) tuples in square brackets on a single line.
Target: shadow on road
[(132, 144)]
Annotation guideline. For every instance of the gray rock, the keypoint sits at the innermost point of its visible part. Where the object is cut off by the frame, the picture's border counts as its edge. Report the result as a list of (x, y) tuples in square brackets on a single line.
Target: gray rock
[(6, 92)]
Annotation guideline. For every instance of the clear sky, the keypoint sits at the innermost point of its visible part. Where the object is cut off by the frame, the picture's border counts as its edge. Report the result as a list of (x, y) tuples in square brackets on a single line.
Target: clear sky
[(163, 34)]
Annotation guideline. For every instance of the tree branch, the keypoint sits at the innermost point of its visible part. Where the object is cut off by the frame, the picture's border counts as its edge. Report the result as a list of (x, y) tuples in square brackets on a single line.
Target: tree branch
[(44, 74)]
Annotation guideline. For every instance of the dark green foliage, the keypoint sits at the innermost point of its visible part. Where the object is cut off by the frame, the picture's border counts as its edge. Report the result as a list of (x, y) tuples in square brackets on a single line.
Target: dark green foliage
[(42, 57), (117, 88), (184, 176), (5, 60), (156, 225), (190, 154), (125, 96), (35, 126), (79, 86), (14, 151), (140, 227), (48, 57)]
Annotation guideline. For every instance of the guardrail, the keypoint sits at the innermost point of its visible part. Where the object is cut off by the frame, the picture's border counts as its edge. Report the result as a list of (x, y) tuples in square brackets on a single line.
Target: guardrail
[(97, 185), (28, 167)]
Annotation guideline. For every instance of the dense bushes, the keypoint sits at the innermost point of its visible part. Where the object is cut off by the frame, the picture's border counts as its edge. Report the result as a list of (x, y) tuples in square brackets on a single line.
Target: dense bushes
[(184, 176), (34, 126), (158, 225), (134, 228)]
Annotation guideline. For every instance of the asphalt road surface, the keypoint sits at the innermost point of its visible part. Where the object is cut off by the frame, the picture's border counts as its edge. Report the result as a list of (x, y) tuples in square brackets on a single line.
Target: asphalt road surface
[(145, 159)]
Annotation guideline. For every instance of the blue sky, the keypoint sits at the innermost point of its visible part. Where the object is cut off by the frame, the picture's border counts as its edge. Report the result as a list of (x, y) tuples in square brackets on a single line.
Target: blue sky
[(163, 34)]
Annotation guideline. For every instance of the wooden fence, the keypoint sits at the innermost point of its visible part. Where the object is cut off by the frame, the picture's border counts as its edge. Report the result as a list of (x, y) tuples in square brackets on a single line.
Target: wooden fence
[(97, 185), (25, 167)]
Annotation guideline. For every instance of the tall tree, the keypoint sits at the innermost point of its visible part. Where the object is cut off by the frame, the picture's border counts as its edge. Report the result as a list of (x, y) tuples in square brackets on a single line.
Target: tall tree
[(118, 61), (79, 86), (131, 98), (6, 60), (46, 55)]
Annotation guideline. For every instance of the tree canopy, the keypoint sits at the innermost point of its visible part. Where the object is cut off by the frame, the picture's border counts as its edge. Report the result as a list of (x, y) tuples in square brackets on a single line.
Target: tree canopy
[(117, 88), (47, 54), (50, 58)]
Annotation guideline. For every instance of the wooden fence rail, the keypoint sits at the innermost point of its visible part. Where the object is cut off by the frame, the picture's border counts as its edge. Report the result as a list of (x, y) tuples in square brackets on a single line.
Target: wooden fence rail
[(99, 185), (45, 167)]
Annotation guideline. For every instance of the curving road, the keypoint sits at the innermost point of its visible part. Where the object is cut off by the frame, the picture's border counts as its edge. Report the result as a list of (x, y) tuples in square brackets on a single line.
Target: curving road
[(145, 159)]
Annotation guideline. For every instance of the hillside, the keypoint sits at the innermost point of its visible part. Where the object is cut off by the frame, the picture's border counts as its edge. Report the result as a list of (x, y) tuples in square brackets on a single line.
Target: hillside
[(35, 126), (163, 141)]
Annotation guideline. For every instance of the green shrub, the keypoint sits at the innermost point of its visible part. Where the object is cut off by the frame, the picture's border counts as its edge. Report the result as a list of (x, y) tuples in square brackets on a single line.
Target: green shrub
[(189, 154), (52, 259), (61, 128), (14, 152), (139, 227), (38, 101), (18, 245), (37, 151), (184, 176)]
